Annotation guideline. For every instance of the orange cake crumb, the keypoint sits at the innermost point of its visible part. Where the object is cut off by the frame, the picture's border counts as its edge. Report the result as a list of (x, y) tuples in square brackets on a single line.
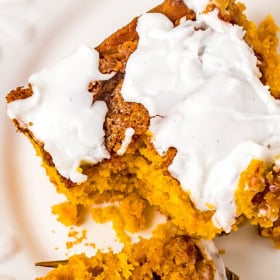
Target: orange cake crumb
[(77, 237), (67, 213)]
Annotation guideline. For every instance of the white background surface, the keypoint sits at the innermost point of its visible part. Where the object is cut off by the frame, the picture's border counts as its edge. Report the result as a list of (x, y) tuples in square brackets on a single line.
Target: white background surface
[(37, 33)]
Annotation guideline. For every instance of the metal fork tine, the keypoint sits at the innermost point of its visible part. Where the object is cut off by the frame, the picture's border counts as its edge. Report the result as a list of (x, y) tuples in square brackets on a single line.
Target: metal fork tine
[(53, 264), (231, 275)]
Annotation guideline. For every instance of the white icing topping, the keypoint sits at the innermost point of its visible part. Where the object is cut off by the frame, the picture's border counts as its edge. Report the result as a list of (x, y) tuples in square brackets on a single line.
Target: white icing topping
[(127, 140), (62, 115), (201, 84), (197, 5), (213, 254)]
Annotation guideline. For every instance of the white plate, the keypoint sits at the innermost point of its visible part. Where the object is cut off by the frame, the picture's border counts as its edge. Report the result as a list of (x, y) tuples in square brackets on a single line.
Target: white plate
[(35, 33)]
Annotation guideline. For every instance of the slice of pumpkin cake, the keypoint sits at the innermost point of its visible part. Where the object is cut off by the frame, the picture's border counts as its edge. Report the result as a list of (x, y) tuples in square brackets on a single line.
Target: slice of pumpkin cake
[(177, 112)]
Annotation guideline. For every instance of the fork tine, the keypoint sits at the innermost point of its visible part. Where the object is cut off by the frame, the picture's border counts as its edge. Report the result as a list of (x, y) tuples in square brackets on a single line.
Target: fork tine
[(230, 275), (53, 264)]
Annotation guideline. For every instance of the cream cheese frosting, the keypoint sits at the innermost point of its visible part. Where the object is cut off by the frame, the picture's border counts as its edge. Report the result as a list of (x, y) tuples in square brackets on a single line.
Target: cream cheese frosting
[(210, 249), (129, 132), (197, 5), (200, 83), (61, 113)]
